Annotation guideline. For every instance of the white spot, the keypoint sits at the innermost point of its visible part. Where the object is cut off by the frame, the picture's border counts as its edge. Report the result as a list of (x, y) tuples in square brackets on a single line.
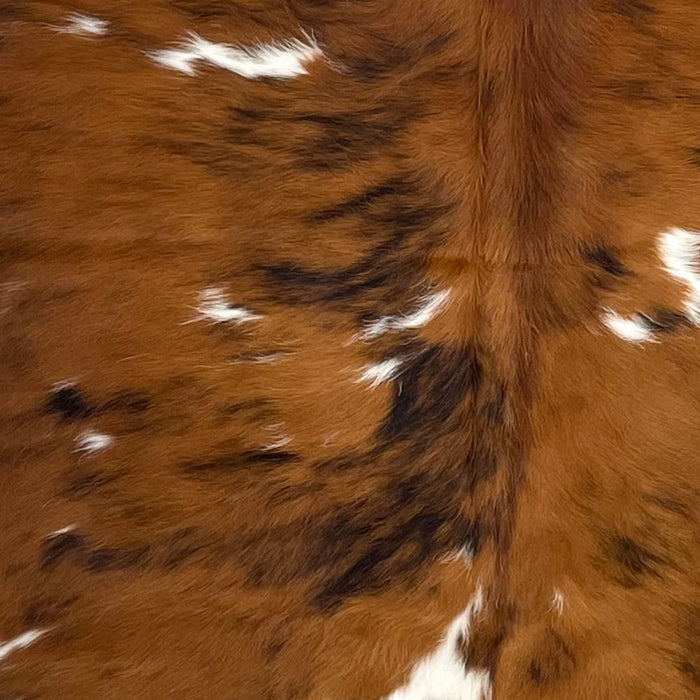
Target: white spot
[(443, 673), (214, 307), (558, 601), (61, 531), (277, 444), (83, 25), (92, 441), (276, 60), (264, 358), (22, 641), (428, 308), (632, 329), (464, 554), (679, 250), (64, 384), (279, 438), (380, 372)]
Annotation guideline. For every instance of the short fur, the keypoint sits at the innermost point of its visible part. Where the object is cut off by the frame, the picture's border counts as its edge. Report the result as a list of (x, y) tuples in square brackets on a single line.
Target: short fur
[(263, 525)]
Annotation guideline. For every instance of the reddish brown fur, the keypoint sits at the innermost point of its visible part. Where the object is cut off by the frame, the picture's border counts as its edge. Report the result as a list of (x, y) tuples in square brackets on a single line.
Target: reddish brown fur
[(525, 154)]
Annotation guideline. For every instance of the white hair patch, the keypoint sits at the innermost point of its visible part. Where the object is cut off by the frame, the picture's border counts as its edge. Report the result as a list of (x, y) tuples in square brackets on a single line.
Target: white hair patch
[(263, 358), (83, 25), (277, 444), (61, 531), (429, 306), (380, 372), (91, 441), (21, 641), (557, 601), (632, 329), (464, 554), (214, 307), (282, 60), (443, 673), (679, 250)]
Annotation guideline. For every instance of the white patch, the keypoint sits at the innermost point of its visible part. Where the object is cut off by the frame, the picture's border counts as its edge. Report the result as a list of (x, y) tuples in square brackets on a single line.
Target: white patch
[(261, 358), (429, 306), (558, 601), (277, 444), (380, 372), (276, 60), (83, 25), (464, 554), (679, 250), (22, 641), (279, 438), (64, 384), (442, 675), (214, 307), (92, 441), (61, 531), (632, 329)]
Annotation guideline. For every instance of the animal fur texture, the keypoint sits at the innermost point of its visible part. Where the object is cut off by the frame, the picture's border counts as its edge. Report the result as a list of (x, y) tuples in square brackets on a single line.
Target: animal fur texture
[(349, 349)]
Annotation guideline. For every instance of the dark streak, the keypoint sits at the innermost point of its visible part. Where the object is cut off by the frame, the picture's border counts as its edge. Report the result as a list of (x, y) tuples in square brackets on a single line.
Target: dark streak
[(495, 404), (347, 138), (260, 406), (616, 176), (554, 662), (484, 643), (241, 460), (388, 57), (371, 567), (69, 403), (46, 611), (361, 202), (12, 11), (273, 648), (636, 560), (606, 259), (128, 401), (390, 535), (268, 457), (106, 559), (211, 155), (431, 389), (181, 546), (438, 441), (694, 157), (203, 11), (407, 222), (665, 320), (87, 483), (671, 505), (633, 90), (691, 670), (634, 10), (371, 69), (59, 546)]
